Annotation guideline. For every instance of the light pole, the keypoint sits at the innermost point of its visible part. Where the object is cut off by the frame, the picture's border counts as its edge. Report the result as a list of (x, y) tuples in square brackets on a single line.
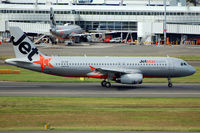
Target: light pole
[(165, 23)]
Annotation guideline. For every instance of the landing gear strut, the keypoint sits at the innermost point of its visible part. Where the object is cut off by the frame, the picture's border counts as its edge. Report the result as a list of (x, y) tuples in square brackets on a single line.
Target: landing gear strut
[(106, 84), (170, 83)]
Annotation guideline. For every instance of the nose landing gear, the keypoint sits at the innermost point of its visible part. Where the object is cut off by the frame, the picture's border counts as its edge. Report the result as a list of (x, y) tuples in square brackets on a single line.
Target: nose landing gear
[(170, 83)]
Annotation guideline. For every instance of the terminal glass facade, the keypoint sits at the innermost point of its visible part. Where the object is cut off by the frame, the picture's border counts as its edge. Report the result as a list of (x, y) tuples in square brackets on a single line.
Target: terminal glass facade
[(153, 13), (105, 25)]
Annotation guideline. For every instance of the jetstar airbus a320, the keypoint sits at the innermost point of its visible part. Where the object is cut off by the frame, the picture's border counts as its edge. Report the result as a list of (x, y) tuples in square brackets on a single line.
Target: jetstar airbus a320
[(125, 70)]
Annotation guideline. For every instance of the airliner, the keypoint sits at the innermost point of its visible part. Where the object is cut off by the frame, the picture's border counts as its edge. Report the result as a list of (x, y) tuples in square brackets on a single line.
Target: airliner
[(67, 31), (124, 70)]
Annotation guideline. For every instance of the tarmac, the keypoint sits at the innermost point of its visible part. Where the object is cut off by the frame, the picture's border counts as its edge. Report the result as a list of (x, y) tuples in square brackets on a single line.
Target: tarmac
[(109, 49), (95, 90)]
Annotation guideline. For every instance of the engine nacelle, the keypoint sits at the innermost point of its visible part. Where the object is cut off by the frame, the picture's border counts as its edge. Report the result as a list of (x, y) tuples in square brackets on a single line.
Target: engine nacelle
[(131, 79)]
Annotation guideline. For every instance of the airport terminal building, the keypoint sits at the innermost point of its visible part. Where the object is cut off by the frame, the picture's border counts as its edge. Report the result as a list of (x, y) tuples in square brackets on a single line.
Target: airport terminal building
[(142, 18)]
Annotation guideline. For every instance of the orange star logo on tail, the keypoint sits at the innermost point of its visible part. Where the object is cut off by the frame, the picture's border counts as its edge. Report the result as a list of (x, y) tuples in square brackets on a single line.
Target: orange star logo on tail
[(44, 62)]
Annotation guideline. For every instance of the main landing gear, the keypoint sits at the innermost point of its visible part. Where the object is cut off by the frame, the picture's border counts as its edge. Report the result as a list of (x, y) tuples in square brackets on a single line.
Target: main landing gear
[(170, 83), (106, 84)]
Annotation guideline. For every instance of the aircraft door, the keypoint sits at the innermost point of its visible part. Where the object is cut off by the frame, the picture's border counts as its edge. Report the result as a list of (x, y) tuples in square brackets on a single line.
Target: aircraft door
[(170, 67)]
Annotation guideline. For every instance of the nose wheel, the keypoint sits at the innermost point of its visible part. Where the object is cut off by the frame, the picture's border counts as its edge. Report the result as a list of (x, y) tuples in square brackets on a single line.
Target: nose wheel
[(106, 84), (170, 83)]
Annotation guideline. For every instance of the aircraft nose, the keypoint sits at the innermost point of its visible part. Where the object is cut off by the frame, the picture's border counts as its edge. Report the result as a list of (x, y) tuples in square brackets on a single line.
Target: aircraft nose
[(192, 70)]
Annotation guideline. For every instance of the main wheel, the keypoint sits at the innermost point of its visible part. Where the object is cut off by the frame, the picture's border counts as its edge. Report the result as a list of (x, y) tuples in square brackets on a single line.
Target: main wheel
[(108, 84), (170, 85), (103, 83)]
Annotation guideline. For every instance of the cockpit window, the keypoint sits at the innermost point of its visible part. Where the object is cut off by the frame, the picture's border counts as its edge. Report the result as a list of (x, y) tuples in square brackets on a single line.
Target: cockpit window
[(183, 64)]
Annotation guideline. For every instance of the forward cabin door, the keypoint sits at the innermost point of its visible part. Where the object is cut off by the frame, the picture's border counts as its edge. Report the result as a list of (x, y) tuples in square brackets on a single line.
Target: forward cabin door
[(170, 67)]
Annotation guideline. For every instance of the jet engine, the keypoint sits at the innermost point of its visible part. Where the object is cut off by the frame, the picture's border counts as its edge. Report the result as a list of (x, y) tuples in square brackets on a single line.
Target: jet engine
[(131, 79)]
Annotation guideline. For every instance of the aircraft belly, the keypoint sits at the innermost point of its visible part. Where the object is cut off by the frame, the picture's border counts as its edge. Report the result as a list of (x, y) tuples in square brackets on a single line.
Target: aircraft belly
[(154, 72)]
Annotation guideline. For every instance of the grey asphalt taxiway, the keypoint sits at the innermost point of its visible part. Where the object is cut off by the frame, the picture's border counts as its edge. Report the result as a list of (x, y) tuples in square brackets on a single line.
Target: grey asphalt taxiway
[(95, 90), (109, 49)]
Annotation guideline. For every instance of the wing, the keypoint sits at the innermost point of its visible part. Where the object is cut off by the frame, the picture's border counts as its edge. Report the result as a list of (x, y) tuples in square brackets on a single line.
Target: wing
[(120, 71), (120, 75)]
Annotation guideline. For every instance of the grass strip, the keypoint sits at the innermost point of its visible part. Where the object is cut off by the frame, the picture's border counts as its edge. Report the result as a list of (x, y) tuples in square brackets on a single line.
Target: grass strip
[(100, 114), (6, 57), (189, 58)]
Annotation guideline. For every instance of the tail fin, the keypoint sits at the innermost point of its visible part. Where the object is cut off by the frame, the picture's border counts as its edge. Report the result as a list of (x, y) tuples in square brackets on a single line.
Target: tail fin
[(23, 46), (52, 22)]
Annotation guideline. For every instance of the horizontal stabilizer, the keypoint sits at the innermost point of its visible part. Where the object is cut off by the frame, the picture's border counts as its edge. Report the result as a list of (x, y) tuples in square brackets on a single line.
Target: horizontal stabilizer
[(18, 60)]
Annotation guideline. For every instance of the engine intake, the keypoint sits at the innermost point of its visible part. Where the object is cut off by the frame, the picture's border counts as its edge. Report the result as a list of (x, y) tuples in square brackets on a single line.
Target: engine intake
[(131, 79)]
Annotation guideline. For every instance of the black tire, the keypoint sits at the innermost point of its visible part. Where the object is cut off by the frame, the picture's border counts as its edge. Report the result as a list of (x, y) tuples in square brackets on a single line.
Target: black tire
[(103, 83), (170, 85), (108, 84)]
